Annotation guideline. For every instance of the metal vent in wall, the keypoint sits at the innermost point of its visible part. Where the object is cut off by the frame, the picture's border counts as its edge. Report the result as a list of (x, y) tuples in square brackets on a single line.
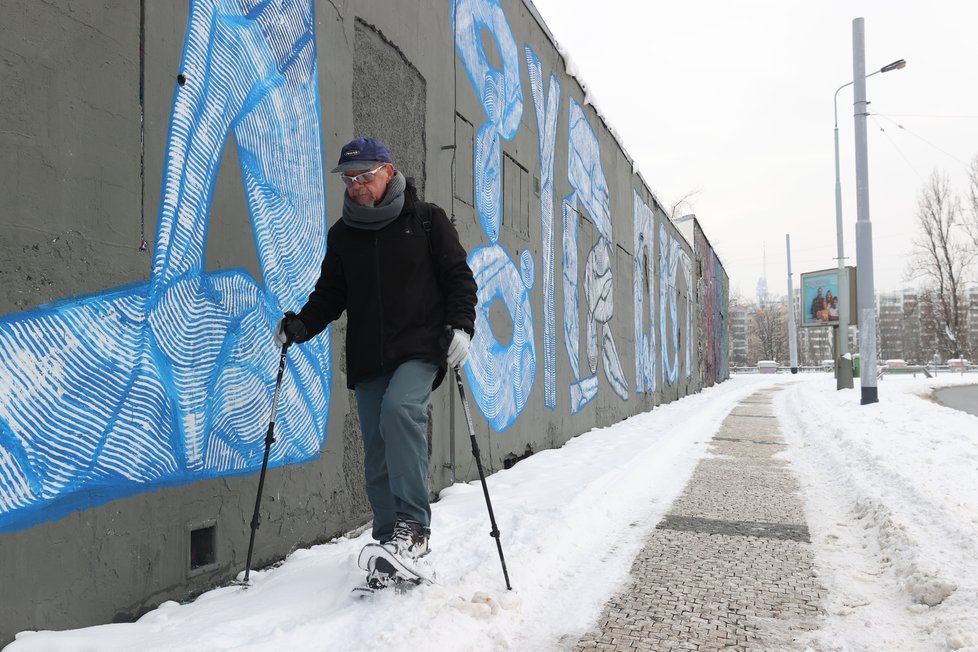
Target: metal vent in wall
[(203, 548)]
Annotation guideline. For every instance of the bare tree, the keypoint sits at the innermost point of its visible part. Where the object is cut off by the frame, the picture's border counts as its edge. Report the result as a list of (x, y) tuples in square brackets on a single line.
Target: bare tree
[(768, 339), (971, 218), (929, 324), (683, 205), (940, 258)]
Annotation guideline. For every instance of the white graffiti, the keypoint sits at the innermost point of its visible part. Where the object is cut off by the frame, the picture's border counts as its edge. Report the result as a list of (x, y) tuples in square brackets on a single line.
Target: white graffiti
[(643, 280), (673, 260), (499, 92), (590, 192), (501, 375), (546, 112), (686, 267)]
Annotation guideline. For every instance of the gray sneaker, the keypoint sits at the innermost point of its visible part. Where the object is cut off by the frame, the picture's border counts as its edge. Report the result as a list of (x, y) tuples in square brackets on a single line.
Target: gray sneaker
[(409, 541)]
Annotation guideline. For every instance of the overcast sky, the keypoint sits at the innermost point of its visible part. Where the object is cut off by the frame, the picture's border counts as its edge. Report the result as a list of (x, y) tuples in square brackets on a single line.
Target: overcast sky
[(733, 101)]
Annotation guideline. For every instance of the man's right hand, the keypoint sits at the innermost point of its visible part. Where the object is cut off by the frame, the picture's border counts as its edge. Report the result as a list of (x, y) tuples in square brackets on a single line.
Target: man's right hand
[(291, 330)]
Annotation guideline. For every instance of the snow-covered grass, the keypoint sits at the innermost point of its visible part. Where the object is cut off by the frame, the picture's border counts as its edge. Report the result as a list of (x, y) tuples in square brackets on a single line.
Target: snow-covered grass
[(891, 493)]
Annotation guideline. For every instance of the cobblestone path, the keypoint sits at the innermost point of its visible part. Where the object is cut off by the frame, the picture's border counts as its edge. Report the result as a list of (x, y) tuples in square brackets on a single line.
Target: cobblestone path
[(730, 566)]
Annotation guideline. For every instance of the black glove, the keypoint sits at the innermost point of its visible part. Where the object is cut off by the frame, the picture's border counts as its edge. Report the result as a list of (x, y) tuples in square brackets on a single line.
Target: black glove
[(291, 330)]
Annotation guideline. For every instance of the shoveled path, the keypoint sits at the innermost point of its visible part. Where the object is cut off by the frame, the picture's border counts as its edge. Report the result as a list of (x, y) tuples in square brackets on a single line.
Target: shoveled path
[(730, 566)]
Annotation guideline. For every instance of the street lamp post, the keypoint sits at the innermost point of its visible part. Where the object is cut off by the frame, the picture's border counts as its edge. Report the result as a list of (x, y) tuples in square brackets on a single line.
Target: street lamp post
[(792, 333), (844, 381)]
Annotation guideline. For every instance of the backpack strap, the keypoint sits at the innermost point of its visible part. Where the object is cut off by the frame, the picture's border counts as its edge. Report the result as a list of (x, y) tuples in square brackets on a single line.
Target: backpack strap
[(423, 211)]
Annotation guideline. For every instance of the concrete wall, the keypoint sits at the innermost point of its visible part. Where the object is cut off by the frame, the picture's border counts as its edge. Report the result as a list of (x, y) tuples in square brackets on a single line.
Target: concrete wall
[(162, 171)]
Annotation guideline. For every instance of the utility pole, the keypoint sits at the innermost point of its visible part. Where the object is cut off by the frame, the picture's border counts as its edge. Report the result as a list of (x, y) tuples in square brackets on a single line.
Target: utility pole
[(792, 333), (864, 228)]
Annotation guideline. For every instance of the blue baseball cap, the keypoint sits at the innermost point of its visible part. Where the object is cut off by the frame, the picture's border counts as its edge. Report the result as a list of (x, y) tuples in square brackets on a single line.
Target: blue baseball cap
[(361, 154)]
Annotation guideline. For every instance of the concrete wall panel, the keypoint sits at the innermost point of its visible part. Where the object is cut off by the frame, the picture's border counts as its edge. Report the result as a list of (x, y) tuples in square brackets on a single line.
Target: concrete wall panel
[(165, 182)]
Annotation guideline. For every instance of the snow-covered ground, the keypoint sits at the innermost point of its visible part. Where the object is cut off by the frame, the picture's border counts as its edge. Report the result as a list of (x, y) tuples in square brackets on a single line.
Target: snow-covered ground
[(891, 493)]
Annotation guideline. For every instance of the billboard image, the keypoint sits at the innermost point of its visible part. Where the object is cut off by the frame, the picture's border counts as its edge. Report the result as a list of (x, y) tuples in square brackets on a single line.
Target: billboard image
[(820, 298)]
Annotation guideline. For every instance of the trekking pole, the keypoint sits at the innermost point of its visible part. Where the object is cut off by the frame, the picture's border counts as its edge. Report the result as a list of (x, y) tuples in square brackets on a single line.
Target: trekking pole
[(269, 438), (482, 475)]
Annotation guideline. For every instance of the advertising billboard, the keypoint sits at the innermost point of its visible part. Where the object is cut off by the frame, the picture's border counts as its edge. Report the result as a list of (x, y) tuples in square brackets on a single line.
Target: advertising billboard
[(820, 297)]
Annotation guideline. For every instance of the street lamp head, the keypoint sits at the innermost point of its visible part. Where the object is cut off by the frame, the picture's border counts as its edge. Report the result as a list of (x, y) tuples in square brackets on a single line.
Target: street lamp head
[(896, 65)]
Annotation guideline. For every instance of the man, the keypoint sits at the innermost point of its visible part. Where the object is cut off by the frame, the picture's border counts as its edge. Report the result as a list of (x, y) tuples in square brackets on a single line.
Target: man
[(818, 304), (396, 266)]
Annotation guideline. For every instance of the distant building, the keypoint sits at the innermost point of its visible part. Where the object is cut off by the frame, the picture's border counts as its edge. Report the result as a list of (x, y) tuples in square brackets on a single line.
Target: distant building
[(739, 316), (908, 325), (814, 345), (891, 324)]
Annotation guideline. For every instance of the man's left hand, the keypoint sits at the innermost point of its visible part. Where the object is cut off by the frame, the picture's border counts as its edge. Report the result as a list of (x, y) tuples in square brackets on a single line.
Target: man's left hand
[(458, 350)]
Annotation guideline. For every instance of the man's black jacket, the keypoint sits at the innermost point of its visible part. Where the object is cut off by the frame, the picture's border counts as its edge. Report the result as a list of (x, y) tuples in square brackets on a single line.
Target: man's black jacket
[(400, 287)]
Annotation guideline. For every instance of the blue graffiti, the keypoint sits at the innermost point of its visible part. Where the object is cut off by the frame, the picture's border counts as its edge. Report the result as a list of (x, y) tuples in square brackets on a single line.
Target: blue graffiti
[(501, 375), (546, 111), (668, 301), (644, 284), (170, 381), (590, 192)]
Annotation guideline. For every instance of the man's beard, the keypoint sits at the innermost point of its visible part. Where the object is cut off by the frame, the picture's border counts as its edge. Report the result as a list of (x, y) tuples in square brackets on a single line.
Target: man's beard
[(365, 199)]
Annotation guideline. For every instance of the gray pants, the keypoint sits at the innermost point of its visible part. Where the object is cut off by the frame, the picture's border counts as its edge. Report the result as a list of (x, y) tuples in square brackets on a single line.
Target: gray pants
[(393, 413)]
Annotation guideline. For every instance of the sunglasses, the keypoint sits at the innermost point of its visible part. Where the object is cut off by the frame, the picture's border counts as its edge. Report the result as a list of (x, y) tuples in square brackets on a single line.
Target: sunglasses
[(363, 177)]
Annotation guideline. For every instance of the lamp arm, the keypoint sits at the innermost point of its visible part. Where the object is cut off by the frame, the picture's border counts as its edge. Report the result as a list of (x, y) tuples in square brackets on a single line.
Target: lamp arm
[(835, 102), (896, 65)]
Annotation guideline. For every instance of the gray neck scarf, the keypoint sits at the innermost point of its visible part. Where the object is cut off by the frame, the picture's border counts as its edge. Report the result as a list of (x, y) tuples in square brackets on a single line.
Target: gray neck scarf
[(376, 217)]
